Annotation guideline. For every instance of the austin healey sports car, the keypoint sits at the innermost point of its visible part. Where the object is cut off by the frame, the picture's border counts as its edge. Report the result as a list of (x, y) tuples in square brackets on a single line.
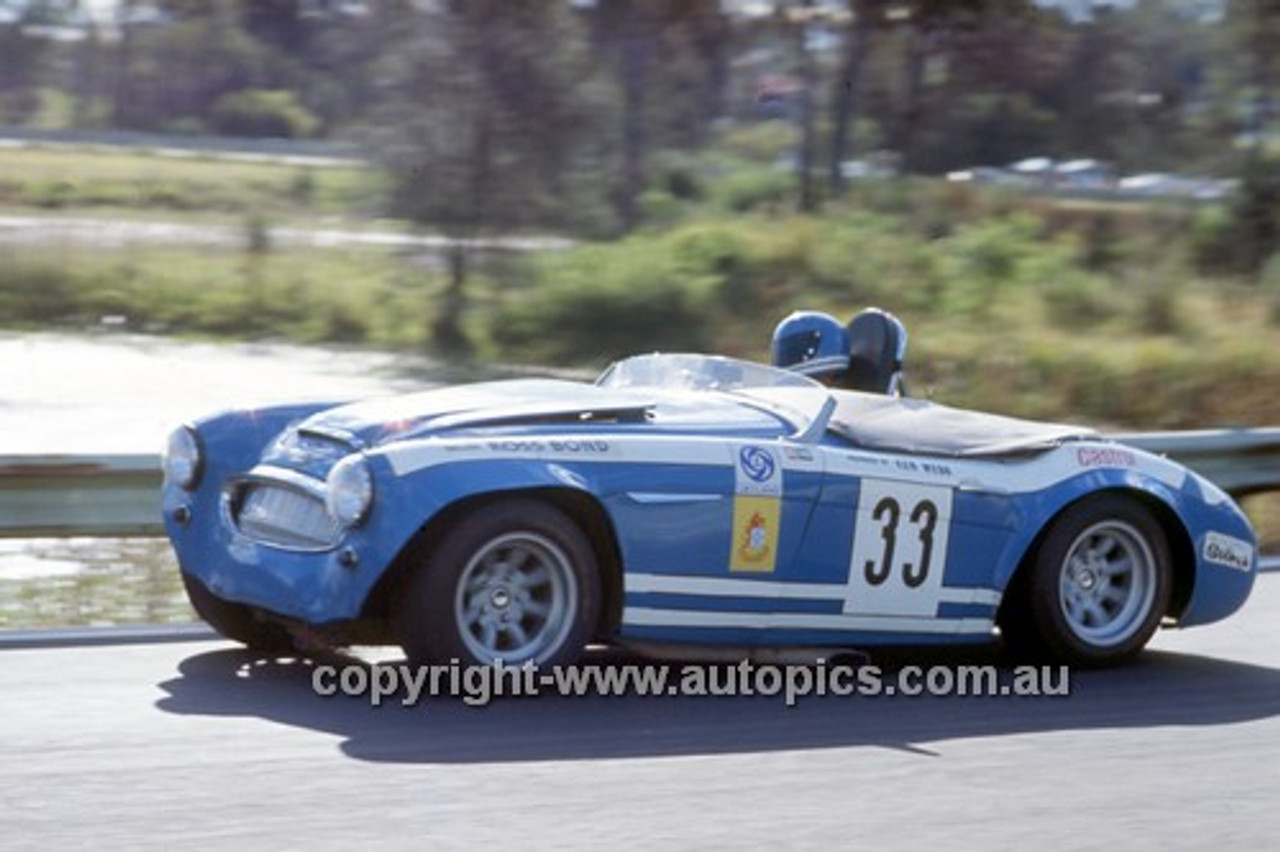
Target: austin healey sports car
[(688, 500)]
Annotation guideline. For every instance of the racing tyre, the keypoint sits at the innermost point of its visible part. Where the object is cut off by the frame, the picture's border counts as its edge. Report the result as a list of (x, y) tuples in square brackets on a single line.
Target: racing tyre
[(236, 621), (1097, 587), (515, 581)]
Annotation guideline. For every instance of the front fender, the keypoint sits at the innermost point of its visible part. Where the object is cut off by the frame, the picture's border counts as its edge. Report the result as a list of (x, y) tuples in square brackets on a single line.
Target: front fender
[(234, 439), (406, 503)]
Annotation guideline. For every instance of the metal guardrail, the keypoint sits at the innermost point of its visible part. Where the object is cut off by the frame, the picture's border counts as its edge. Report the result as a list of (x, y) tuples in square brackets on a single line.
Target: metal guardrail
[(115, 496), (99, 496), (1239, 461), (82, 637)]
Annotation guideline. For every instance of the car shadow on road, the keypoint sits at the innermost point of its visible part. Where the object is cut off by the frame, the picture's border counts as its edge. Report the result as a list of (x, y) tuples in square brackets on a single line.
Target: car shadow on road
[(1159, 689)]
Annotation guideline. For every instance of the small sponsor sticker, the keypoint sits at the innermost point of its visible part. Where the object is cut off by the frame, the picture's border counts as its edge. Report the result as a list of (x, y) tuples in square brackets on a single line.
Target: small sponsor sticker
[(758, 471), (757, 464), (798, 454), (562, 446), (1228, 551), (757, 510), (755, 534), (1106, 457)]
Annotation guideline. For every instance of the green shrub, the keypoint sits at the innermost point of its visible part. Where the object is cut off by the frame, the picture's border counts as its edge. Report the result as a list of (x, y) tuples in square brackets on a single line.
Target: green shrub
[(302, 187), (889, 197), (1270, 282), (257, 234), (745, 190), (982, 261), (721, 256), (1076, 299), (1240, 236), (1255, 214), (938, 209), (263, 113), (660, 208), (678, 174), (1159, 305), (49, 194), (40, 292), (1103, 242), (1213, 241), (345, 323), (762, 142), (600, 303), (596, 324), (1161, 384)]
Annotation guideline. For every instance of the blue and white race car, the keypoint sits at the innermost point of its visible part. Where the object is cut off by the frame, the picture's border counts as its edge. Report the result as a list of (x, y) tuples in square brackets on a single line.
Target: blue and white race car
[(689, 500)]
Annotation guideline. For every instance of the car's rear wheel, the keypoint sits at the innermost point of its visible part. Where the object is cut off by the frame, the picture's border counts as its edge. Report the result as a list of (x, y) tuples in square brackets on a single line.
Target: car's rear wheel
[(1097, 586), (236, 621), (515, 581)]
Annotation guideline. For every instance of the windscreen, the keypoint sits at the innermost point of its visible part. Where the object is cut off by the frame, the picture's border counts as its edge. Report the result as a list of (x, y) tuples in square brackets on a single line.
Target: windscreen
[(698, 372)]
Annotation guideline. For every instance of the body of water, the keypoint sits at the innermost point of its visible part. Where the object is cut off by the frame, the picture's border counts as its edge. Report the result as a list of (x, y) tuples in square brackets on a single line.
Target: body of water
[(106, 394)]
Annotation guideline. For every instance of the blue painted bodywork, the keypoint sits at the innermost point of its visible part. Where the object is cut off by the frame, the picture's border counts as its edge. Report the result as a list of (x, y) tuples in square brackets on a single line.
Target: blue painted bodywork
[(667, 469)]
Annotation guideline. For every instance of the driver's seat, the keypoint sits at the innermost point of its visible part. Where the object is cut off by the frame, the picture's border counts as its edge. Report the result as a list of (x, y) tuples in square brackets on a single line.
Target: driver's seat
[(877, 349)]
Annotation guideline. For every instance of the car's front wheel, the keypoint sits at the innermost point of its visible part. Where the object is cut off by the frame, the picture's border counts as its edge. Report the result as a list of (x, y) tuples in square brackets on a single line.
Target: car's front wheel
[(1097, 586), (515, 581)]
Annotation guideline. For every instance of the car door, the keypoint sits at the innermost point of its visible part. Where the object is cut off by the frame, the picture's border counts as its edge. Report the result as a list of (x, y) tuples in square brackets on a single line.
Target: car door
[(881, 538), (710, 546), (901, 527), (731, 509)]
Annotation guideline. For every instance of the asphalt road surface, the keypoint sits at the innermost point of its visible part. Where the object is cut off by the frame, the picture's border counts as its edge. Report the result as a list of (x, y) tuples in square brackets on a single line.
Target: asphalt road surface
[(197, 745)]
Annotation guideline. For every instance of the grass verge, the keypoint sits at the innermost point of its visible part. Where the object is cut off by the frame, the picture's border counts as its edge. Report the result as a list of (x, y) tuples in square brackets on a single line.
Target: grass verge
[(72, 180)]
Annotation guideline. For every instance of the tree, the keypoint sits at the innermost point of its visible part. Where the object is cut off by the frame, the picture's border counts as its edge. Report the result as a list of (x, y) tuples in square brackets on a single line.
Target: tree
[(971, 71), (488, 126), (340, 60), (1243, 66), (1251, 63), (22, 60), (670, 61), (945, 83), (808, 83), (845, 101), (325, 51), (172, 74), (629, 30), (283, 24)]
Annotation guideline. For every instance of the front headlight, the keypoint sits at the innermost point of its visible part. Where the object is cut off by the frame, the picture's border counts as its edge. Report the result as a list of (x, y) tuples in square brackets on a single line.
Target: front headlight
[(350, 490), (183, 459)]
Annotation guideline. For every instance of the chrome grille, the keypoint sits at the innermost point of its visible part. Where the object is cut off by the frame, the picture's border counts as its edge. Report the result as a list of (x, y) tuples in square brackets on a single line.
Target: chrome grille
[(285, 517)]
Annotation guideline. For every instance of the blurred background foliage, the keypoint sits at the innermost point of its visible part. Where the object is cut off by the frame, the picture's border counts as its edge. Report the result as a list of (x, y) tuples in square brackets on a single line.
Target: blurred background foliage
[(717, 164)]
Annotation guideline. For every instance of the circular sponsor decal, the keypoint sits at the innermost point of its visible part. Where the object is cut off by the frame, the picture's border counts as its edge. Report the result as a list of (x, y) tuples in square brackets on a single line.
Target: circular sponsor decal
[(757, 464)]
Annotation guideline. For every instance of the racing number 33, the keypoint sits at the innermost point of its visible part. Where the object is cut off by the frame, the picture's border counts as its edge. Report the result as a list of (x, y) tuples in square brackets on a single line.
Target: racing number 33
[(924, 516), (899, 548)]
